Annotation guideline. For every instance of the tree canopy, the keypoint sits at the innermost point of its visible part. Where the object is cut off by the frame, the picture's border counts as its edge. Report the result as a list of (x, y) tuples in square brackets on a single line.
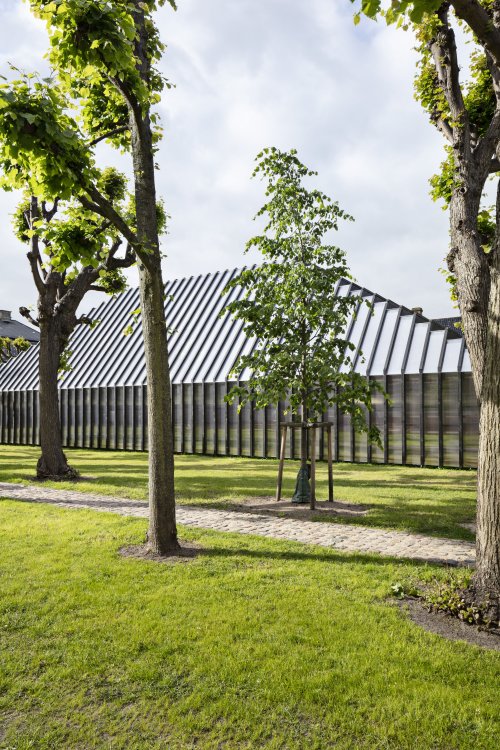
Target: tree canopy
[(289, 304)]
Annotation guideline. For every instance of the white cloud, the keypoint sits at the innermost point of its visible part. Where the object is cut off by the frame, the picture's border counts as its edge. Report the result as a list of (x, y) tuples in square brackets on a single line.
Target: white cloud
[(283, 73)]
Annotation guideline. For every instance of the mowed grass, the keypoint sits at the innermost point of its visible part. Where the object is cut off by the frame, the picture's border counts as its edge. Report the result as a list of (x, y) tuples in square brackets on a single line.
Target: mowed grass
[(254, 644), (427, 501)]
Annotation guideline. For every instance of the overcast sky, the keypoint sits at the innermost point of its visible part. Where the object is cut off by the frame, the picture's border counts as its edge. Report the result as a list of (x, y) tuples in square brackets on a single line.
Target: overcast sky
[(291, 74)]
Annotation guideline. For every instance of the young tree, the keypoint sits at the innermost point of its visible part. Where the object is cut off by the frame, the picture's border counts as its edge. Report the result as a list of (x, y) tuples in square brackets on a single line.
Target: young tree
[(288, 305), (104, 54), (466, 110)]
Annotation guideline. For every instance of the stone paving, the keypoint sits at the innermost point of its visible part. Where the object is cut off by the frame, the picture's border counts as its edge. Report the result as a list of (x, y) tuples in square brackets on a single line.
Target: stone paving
[(345, 537)]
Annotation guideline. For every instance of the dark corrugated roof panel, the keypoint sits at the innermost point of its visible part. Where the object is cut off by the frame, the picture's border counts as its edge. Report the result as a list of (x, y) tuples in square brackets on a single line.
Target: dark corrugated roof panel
[(205, 342)]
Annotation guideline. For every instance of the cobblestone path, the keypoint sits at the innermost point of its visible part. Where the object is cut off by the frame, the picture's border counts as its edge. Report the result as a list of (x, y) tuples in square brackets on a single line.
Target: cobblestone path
[(345, 537)]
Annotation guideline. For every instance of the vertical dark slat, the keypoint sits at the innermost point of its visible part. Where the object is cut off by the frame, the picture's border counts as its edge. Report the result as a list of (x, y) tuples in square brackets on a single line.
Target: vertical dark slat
[(460, 421), (322, 418), (461, 406), (193, 424), (403, 420), (440, 419), (252, 428), (204, 407), (440, 399), (2, 416), (240, 430), (336, 432), (386, 423), (264, 422), (124, 417), (226, 420), (183, 421), (86, 404), (422, 417), (216, 422), (422, 397), (144, 416), (99, 429), (370, 425), (133, 423)]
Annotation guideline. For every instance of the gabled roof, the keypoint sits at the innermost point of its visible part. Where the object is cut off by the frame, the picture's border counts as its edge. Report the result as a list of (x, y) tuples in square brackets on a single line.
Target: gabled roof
[(13, 329), (205, 341)]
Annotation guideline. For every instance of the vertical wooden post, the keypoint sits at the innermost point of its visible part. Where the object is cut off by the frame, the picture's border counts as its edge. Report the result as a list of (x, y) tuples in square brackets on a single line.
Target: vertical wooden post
[(281, 462), (313, 469), (330, 467)]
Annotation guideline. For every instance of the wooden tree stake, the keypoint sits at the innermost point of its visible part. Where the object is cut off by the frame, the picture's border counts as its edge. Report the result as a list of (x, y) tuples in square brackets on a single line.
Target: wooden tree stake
[(313, 469), (281, 463)]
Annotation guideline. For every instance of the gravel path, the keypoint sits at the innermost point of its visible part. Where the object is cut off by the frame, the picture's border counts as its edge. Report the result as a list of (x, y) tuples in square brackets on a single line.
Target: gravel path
[(345, 537)]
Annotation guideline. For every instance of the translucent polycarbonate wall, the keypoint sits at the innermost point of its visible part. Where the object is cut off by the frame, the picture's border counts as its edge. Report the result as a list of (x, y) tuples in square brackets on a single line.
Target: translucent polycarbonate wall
[(431, 419)]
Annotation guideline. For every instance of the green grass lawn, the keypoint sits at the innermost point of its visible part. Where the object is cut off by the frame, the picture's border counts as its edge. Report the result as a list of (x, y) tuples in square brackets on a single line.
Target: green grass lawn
[(428, 501), (254, 644)]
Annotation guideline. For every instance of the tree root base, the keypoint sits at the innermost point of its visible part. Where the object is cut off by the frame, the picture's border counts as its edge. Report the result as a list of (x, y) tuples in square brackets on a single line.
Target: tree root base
[(185, 552), (65, 474)]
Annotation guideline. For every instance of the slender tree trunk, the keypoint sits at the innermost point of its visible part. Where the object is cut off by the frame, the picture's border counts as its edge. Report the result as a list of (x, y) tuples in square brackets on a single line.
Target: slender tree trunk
[(162, 533), (52, 463)]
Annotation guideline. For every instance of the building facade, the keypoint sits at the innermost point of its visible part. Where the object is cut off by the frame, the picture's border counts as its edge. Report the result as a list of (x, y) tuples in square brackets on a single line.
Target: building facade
[(432, 418)]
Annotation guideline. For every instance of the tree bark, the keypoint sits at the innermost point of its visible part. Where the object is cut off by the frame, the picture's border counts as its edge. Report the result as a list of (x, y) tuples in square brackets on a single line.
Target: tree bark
[(52, 463), (478, 287), (487, 576), (162, 532)]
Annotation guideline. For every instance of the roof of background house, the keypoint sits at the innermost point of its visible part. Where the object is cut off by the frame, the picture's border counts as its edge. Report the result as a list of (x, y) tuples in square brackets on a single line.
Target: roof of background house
[(13, 329), (205, 341)]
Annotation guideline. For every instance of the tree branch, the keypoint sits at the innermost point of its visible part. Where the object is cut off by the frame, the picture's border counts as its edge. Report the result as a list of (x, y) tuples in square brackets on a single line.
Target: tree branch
[(444, 53), (480, 22), (49, 215), (488, 145), (33, 261), (443, 125), (109, 134), (26, 314), (83, 320), (494, 165), (103, 207)]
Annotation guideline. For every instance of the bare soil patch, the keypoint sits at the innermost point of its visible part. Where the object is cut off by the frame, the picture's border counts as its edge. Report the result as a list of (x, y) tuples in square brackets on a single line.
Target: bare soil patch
[(187, 552), (449, 627), (324, 509)]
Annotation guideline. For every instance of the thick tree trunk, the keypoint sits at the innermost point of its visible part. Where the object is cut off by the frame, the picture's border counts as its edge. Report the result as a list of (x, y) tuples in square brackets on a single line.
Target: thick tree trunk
[(487, 577), (52, 463), (478, 286), (162, 533)]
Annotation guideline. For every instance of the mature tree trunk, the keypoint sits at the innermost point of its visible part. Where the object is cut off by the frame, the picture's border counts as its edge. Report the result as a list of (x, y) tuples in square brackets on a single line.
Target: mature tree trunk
[(57, 306), (162, 533), (52, 463), (478, 287), (487, 577)]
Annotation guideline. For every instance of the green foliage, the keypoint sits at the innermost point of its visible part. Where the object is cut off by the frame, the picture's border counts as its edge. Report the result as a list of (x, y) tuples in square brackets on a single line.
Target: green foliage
[(449, 594), (445, 182), (41, 148), (288, 303), (75, 237), (476, 91), (65, 363), (10, 347)]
